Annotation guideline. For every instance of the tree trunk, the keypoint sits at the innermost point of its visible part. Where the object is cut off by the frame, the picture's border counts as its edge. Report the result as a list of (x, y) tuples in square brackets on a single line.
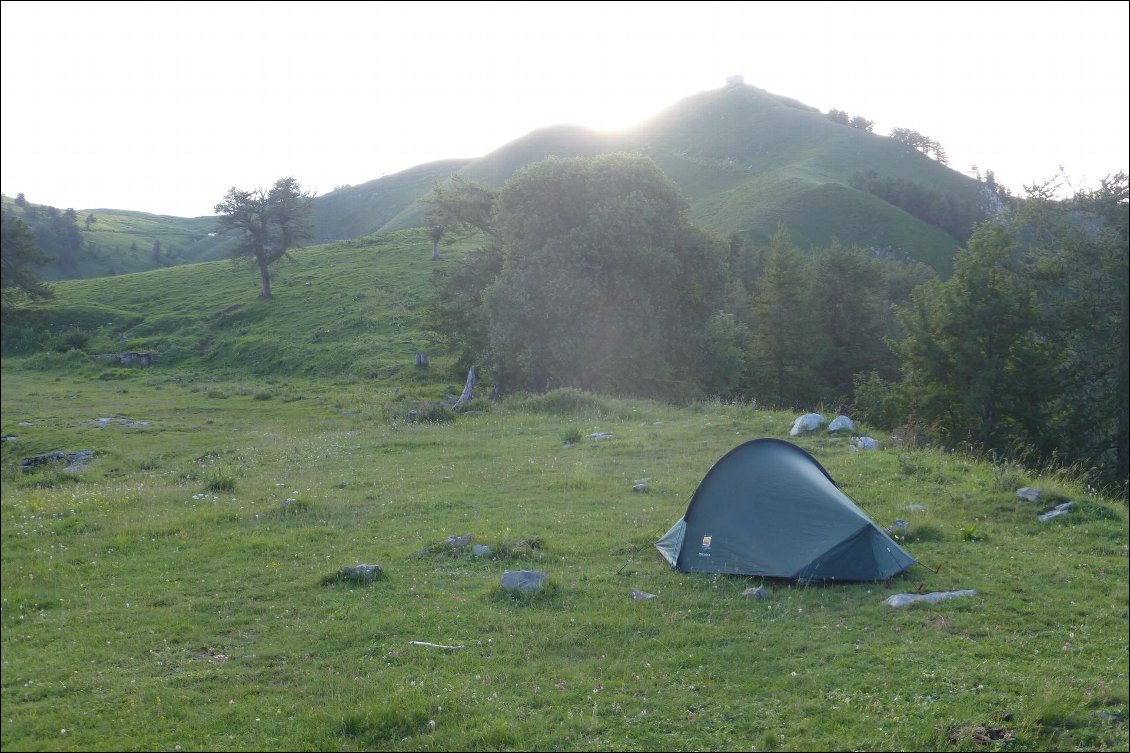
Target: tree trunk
[(435, 249), (264, 279), (469, 387)]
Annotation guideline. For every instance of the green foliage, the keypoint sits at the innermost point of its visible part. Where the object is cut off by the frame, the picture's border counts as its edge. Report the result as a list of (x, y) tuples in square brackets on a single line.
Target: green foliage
[(877, 401), (572, 435), (918, 141), (1024, 350), (267, 224), (971, 533), (850, 298), (18, 262), (118, 241), (219, 480), (566, 402), (944, 210), (788, 343), (603, 283)]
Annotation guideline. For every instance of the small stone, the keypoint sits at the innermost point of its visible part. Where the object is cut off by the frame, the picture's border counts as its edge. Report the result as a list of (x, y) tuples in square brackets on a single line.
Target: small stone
[(635, 593), (761, 592), (361, 573)]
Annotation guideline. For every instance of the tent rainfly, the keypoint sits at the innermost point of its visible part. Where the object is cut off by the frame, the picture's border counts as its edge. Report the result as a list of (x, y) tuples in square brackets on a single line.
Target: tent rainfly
[(769, 508)]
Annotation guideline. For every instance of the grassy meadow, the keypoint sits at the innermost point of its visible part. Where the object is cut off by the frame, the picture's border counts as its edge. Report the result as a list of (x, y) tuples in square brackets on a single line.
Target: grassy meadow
[(179, 592)]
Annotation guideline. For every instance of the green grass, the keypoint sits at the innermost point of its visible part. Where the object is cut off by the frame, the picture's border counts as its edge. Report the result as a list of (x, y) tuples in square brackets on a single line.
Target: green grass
[(121, 241), (181, 589), (347, 309), (144, 608)]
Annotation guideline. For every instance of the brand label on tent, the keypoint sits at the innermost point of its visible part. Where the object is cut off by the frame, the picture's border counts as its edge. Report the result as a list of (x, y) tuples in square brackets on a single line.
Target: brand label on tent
[(705, 546)]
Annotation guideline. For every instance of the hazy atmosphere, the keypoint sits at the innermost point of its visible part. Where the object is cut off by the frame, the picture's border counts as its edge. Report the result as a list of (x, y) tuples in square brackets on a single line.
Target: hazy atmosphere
[(162, 107)]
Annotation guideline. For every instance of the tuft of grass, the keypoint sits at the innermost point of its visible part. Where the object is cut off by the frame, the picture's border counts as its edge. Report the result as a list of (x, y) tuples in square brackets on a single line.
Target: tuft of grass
[(219, 480)]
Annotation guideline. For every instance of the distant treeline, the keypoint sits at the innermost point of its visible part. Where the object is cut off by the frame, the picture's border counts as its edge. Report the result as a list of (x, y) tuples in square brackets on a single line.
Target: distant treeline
[(941, 209)]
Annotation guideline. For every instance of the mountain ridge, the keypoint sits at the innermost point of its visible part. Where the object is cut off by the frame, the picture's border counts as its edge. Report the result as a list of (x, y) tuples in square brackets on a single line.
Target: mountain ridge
[(748, 161)]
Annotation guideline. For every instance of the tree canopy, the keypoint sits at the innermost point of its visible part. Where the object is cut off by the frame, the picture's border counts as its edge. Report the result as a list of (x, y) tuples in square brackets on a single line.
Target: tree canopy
[(269, 223), (601, 282), (21, 255)]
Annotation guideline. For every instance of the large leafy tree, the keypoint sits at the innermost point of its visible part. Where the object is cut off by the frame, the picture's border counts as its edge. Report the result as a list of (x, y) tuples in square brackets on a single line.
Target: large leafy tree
[(19, 256), (1082, 250), (974, 356), (601, 281), (1024, 350), (268, 223)]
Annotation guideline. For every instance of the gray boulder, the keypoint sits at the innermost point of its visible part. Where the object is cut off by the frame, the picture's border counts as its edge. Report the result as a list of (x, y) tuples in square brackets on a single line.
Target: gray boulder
[(1056, 512), (806, 423), (841, 423), (527, 581)]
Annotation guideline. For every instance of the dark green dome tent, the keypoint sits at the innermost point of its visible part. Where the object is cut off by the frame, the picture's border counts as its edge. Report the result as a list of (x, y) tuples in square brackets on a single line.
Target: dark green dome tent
[(769, 508)]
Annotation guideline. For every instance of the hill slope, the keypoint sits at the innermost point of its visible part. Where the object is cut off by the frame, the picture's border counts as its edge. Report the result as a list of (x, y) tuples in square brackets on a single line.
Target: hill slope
[(106, 242), (351, 308), (748, 162)]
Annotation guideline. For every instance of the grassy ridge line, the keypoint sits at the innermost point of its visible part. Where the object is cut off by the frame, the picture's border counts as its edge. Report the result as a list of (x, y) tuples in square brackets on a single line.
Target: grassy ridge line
[(148, 604), (748, 162)]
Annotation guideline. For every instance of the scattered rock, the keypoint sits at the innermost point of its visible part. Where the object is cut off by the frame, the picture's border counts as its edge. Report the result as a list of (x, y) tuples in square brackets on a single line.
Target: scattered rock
[(982, 734), (916, 508), (1056, 512), (481, 550), (761, 592), (898, 525), (76, 461), (807, 422), (635, 593), (641, 487), (600, 435), (901, 600), (458, 542), (102, 423), (8, 438), (1028, 494), (865, 443), (360, 573), (841, 423), (527, 581)]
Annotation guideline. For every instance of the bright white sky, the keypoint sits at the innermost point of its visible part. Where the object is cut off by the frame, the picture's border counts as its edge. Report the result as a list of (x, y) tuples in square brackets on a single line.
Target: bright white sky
[(163, 106)]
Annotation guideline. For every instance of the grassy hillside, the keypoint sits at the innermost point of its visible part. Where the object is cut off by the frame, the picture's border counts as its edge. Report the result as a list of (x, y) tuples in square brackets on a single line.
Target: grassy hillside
[(119, 242), (750, 162), (180, 590), (350, 307), (381, 204), (747, 160)]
